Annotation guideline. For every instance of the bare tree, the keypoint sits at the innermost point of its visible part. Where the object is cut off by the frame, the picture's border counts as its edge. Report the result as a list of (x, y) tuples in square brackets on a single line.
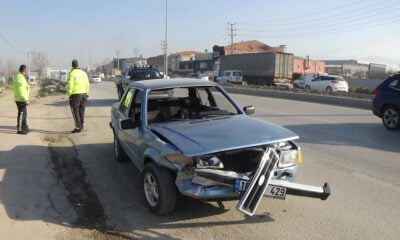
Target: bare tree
[(39, 62)]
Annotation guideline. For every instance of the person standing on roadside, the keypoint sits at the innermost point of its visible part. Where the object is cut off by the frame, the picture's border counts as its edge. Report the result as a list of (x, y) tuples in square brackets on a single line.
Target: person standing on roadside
[(21, 91), (78, 92)]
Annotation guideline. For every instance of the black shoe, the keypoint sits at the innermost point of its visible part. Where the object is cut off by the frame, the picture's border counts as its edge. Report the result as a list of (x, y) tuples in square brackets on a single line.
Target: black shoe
[(76, 130), (22, 132)]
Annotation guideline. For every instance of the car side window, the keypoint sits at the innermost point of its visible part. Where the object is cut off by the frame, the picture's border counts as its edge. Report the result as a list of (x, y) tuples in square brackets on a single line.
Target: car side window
[(316, 79), (227, 74), (126, 102), (395, 83), (135, 108)]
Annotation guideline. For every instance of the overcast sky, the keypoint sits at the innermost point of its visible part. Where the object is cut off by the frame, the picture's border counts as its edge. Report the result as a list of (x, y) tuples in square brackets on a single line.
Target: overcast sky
[(359, 29)]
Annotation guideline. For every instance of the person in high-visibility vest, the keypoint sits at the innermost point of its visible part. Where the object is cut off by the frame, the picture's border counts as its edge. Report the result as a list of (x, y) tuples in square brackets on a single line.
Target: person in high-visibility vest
[(78, 92), (21, 97)]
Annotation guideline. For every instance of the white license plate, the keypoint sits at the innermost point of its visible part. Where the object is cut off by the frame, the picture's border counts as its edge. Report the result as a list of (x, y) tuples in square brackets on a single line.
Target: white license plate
[(272, 190), (276, 192)]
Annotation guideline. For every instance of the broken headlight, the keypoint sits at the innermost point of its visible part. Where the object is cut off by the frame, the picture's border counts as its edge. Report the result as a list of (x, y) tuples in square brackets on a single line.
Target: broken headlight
[(290, 158), (209, 161)]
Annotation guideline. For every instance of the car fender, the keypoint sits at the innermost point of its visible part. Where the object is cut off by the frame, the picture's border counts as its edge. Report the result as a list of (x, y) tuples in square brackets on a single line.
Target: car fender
[(151, 155)]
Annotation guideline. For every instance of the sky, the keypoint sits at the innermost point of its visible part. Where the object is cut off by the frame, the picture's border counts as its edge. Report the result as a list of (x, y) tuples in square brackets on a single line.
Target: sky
[(366, 30)]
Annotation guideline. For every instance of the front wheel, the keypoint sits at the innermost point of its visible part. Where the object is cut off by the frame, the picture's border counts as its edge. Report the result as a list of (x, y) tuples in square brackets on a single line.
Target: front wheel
[(159, 189), (391, 118), (329, 90)]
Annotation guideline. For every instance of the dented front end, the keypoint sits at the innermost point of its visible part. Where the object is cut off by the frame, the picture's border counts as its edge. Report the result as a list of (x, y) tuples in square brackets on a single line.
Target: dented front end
[(243, 174)]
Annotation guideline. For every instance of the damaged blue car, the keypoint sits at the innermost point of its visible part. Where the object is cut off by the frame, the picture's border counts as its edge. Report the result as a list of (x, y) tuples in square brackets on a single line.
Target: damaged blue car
[(189, 137)]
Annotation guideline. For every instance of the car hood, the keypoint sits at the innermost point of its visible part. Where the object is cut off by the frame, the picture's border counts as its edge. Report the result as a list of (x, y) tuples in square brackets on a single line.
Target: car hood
[(204, 136)]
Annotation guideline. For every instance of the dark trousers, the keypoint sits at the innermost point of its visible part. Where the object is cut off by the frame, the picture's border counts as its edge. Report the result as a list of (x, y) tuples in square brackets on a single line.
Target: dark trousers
[(22, 116), (78, 104)]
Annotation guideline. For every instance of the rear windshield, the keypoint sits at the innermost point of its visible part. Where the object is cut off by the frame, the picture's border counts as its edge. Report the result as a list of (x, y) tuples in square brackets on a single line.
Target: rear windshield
[(237, 74)]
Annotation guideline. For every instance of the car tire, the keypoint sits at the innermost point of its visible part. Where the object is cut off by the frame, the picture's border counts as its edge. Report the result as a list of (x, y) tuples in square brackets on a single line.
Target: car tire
[(307, 87), (329, 89), (391, 118), (119, 153), (159, 189)]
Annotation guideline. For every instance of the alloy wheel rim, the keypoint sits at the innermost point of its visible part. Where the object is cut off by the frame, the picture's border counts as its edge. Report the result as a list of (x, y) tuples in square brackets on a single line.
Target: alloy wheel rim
[(390, 118), (151, 189)]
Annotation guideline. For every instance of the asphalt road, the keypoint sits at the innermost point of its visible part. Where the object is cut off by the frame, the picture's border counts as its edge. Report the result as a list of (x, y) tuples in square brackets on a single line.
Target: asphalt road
[(85, 190)]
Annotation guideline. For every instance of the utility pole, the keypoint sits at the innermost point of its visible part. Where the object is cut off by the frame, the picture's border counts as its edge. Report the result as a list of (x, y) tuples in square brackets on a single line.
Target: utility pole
[(90, 58), (166, 41), (29, 63), (231, 29), (135, 52), (117, 52)]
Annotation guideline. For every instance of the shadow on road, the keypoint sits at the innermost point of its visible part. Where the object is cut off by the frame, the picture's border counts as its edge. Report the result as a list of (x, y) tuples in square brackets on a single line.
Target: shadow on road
[(367, 135), (90, 103), (13, 130), (37, 180)]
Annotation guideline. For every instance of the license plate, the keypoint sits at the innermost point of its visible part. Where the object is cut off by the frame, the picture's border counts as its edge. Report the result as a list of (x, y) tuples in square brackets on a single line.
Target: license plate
[(272, 190), (276, 192), (240, 185)]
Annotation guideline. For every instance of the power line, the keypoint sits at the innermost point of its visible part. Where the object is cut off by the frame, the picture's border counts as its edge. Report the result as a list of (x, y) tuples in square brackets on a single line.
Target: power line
[(330, 22), (11, 45), (323, 11), (332, 30)]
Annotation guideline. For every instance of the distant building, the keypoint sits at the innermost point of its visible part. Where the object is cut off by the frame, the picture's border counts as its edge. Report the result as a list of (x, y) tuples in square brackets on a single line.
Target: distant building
[(306, 65), (347, 68), (157, 62), (252, 46)]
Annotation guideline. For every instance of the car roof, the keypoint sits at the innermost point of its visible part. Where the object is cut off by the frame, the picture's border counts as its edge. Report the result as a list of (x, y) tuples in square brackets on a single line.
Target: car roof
[(171, 83)]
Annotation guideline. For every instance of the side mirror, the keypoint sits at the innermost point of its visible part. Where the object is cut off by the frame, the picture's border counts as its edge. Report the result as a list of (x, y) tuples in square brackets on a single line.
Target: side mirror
[(249, 109), (129, 124)]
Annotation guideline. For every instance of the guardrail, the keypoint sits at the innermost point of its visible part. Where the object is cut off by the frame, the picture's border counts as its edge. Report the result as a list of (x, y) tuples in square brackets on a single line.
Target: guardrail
[(339, 100)]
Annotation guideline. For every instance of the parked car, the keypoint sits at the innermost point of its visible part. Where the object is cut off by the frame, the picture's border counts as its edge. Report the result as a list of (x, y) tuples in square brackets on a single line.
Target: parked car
[(300, 82), (200, 76), (189, 136), (327, 83), (386, 103), (136, 73), (32, 80), (95, 78), (231, 76)]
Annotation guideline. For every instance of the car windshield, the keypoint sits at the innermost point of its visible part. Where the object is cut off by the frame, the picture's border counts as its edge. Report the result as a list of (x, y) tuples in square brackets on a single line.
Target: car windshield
[(177, 104)]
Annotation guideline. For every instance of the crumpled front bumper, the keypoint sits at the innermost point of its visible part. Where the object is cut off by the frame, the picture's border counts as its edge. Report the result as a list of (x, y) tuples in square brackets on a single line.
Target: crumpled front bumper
[(213, 184)]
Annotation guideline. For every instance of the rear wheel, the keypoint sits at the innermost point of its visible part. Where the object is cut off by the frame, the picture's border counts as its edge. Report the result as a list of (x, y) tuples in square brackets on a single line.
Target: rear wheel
[(119, 153), (159, 189), (391, 118)]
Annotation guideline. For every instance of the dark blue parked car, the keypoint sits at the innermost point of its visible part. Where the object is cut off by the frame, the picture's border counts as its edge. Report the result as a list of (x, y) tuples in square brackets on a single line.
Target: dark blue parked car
[(386, 103)]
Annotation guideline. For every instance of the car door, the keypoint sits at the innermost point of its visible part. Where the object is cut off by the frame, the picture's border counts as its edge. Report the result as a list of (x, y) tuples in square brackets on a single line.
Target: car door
[(314, 84), (125, 135), (134, 136), (393, 93)]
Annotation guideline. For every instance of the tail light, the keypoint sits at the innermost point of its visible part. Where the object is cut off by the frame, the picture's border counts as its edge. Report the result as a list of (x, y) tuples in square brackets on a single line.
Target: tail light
[(376, 92)]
